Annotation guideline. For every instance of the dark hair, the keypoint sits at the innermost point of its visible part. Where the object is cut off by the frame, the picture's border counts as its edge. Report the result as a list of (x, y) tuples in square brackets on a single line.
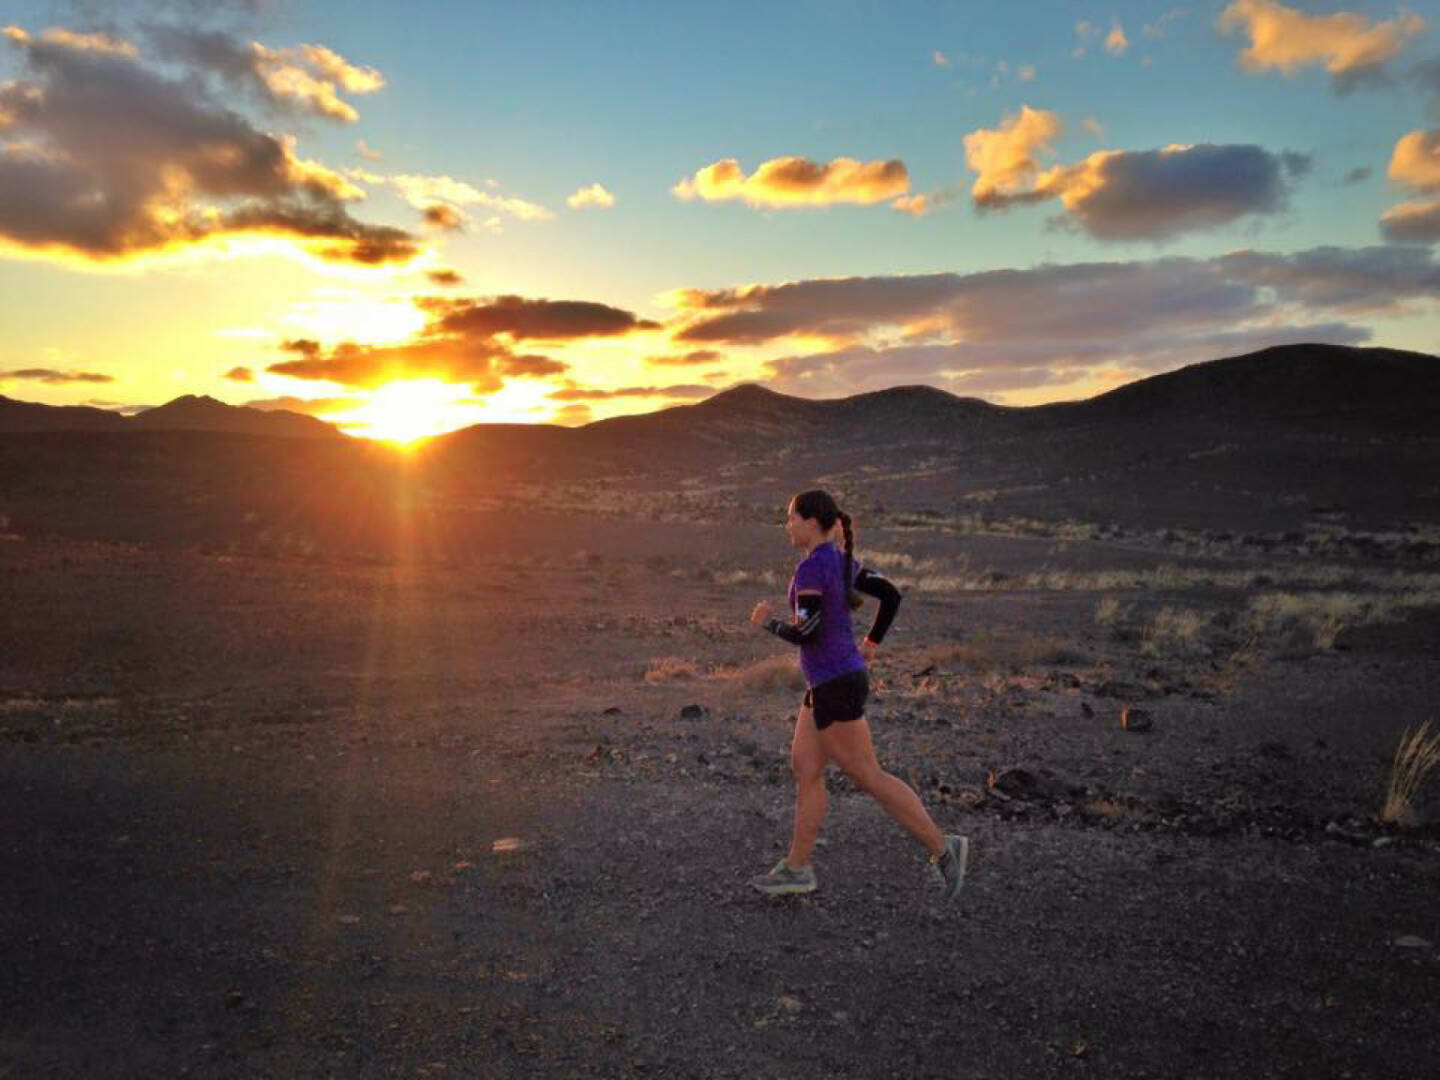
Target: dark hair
[(820, 506)]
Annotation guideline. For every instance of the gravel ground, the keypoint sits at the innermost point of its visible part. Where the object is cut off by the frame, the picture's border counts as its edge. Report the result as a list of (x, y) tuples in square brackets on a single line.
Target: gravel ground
[(269, 818)]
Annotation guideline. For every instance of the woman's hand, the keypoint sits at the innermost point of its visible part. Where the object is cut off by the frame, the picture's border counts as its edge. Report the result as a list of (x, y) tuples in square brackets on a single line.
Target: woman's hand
[(762, 612), (868, 649)]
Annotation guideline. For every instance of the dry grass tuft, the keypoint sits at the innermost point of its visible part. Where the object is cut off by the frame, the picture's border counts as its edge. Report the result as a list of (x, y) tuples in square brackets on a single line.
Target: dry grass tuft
[(1173, 632), (992, 651), (671, 669), (1415, 759), (772, 673)]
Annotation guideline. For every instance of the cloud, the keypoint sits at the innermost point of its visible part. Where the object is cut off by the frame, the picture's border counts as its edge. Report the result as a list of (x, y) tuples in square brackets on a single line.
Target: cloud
[(1085, 35), (464, 341), (1285, 39), (693, 358), (546, 320), (789, 182), (1412, 223), (240, 374), (592, 197), (1415, 162), (1155, 195), (109, 159), (443, 216), (1007, 157), (305, 79), (1156, 30), (365, 151), (1080, 311), (1115, 41), (1117, 195), (995, 370), (51, 377), (426, 192), (308, 406), (940, 59), (444, 277), (582, 393), (1025, 73)]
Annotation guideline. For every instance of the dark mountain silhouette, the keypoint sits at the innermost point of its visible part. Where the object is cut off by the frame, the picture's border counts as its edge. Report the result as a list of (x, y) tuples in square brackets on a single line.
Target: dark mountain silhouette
[(1263, 441), (187, 413), (192, 413), (29, 416)]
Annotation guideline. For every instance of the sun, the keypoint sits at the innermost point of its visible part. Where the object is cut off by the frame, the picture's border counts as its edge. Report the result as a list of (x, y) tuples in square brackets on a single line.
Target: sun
[(405, 412)]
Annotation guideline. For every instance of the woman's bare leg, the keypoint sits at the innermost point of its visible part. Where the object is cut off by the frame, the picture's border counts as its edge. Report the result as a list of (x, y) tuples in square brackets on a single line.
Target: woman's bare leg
[(848, 745), (807, 764)]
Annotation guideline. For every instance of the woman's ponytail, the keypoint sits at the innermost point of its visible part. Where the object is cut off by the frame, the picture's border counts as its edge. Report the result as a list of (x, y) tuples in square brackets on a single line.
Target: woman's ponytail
[(853, 597)]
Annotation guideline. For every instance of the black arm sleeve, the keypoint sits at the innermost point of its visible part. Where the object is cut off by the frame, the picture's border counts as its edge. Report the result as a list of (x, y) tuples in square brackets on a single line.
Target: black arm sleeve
[(876, 585), (806, 624)]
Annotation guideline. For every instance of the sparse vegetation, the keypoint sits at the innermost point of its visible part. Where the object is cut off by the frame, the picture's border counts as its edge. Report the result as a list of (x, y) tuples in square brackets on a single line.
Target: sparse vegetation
[(1173, 632), (1415, 760), (671, 669), (781, 672)]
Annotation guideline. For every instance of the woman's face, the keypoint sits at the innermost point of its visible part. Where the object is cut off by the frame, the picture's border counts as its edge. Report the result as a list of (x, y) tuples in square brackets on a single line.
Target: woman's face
[(803, 532)]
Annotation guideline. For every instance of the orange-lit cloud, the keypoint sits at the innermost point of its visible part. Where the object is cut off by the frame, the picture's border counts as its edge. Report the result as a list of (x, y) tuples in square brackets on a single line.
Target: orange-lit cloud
[(693, 358), (1115, 41), (1412, 222), (1117, 195), (592, 197), (444, 276), (465, 341), (240, 374), (1415, 162), (789, 182), (443, 216), (1286, 39), (112, 160), (52, 377), (1007, 158)]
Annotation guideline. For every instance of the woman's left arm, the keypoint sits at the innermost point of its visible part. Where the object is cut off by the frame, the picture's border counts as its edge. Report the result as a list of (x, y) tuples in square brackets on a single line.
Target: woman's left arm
[(870, 583)]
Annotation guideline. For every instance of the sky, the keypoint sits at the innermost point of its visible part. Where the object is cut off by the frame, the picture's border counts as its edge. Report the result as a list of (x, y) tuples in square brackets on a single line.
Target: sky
[(407, 219)]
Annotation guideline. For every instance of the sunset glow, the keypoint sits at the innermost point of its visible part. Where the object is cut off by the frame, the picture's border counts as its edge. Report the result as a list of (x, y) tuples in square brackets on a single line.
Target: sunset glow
[(1026, 207)]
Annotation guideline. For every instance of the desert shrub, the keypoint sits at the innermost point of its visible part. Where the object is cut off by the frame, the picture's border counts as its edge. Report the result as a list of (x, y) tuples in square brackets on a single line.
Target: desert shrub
[(1174, 632), (780, 672), (991, 651), (1110, 611), (1415, 760), (671, 669)]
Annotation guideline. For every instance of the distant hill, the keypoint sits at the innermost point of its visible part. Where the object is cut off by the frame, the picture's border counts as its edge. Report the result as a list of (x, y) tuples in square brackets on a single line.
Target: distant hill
[(1270, 440), (192, 413), (29, 416), (188, 413)]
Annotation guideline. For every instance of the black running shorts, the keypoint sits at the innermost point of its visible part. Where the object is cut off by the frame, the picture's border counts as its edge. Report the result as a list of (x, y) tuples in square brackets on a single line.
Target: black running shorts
[(839, 699)]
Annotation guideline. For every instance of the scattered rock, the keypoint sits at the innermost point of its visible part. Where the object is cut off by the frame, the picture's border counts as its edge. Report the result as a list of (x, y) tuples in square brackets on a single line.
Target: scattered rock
[(693, 712), (1086, 710), (613, 710), (789, 1004), (1135, 719), (1410, 941)]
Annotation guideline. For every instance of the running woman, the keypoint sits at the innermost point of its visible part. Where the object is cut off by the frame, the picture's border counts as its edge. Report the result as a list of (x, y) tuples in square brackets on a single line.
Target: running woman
[(831, 724)]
